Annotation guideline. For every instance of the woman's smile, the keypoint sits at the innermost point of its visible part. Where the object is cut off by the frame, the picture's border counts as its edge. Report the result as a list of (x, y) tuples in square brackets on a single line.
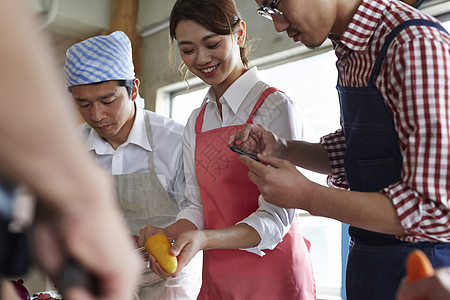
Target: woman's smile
[(210, 71)]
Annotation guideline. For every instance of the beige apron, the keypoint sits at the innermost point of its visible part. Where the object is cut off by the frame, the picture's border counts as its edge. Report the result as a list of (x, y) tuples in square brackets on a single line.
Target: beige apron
[(142, 198), (143, 201)]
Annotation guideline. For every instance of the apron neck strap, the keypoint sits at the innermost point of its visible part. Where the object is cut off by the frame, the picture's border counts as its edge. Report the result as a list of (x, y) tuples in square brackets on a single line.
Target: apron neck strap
[(261, 99), (390, 37), (201, 115), (150, 140)]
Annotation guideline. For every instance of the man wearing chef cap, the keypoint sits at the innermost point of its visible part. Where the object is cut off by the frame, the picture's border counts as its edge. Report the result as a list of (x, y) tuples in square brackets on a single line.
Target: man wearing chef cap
[(141, 149)]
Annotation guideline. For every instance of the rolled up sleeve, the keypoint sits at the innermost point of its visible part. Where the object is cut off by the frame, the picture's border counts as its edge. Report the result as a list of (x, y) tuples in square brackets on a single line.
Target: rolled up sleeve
[(271, 222), (334, 144)]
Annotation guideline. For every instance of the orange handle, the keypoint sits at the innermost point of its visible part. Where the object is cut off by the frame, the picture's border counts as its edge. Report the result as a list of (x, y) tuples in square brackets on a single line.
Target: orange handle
[(418, 266)]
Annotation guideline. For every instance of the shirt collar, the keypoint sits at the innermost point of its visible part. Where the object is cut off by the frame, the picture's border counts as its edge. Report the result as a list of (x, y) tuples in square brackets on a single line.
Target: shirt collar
[(236, 93), (363, 25), (137, 136)]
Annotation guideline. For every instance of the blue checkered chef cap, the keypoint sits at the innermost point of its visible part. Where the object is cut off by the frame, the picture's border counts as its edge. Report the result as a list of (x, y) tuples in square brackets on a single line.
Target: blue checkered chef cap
[(100, 58)]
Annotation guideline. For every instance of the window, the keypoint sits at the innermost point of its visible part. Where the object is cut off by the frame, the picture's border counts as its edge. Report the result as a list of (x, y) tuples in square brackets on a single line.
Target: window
[(311, 83)]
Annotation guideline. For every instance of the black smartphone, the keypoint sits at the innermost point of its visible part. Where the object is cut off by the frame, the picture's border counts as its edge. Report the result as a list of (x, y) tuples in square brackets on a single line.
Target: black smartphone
[(237, 150)]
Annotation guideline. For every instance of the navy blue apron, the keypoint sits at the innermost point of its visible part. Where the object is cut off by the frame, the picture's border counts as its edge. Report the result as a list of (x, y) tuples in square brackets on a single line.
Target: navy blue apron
[(372, 161)]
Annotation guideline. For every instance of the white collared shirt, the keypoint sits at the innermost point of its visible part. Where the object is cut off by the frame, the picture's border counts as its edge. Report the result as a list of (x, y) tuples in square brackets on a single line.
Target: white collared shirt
[(278, 113), (132, 156)]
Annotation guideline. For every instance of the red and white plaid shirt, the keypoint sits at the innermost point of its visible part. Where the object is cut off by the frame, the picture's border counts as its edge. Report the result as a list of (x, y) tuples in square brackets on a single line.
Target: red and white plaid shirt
[(415, 83)]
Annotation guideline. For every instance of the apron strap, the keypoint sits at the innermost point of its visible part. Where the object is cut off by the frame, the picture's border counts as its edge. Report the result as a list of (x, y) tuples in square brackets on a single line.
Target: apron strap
[(201, 115), (199, 120), (393, 34), (261, 99), (148, 127)]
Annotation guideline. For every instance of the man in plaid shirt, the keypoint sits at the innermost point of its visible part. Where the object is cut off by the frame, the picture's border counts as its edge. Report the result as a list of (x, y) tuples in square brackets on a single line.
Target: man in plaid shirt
[(389, 164)]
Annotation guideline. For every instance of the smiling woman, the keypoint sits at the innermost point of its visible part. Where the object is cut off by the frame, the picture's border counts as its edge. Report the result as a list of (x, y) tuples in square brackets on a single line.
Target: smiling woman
[(311, 82), (240, 228), (203, 51)]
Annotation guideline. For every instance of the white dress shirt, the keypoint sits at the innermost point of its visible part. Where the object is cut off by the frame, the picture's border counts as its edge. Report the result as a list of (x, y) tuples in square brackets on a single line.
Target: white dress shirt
[(132, 156), (278, 113)]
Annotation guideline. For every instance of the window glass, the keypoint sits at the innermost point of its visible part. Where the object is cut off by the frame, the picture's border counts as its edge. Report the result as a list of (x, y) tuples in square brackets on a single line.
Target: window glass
[(447, 26), (311, 83), (184, 104)]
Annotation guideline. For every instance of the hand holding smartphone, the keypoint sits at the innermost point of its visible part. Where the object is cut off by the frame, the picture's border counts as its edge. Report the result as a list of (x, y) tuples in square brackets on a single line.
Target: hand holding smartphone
[(246, 152)]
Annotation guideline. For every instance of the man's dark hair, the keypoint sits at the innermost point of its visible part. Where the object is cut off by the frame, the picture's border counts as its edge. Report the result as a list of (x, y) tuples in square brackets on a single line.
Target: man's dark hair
[(128, 84)]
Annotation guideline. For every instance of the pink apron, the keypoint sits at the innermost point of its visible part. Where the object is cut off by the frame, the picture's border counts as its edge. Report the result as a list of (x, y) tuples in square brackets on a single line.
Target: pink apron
[(228, 196)]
